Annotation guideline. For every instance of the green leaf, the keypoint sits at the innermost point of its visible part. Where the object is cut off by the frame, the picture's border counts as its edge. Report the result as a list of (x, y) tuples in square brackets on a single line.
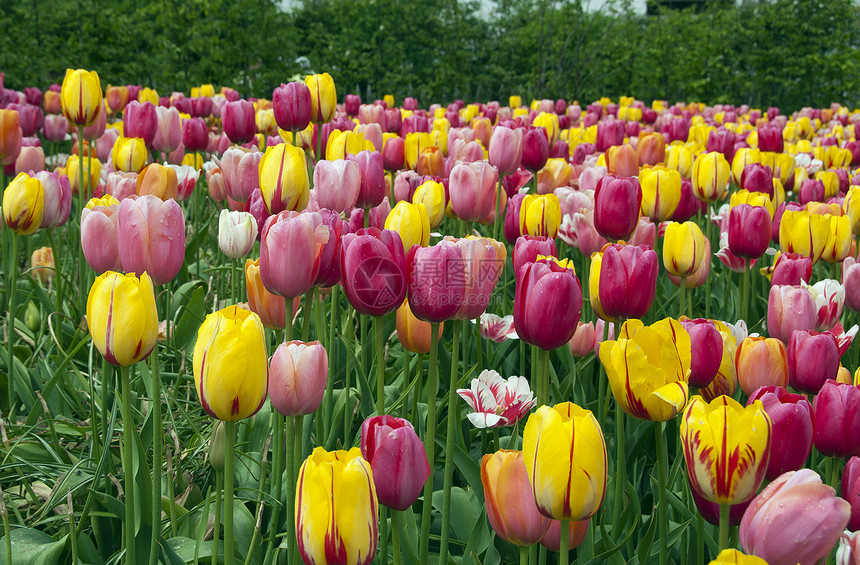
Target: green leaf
[(32, 547)]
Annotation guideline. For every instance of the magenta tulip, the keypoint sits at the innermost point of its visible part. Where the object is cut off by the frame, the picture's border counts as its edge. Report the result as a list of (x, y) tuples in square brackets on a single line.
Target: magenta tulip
[(373, 268), (628, 281), (707, 351), (617, 202), (710, 511), (351, 103), (55, 127), (749, 230), (195, 135), (791, 428), (547, 303), (151, 237), (397, 458), (851, 491), (836, 410), (609, 134), (329, 273), (291, 251), (292, 106), (436, 281), (528, 247), (140, 120), (851, 282), (372, 189), (689, 205), (770, 138), (790, 269), (757, 178), (813, 358), (535, 149), (393, 154), (239, 121)]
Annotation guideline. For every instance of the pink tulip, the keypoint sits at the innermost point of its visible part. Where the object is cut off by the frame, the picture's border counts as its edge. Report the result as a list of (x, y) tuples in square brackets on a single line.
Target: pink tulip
[(97, 129), (393, 154), (140, 120), (791, 428), (472, 190), (528, 247), (373, 268), (483, 262), (30, 160), (336, 184), (55, 127), (506, 149), (291, 247), (496, 328), (791, 269), (795, 519), (851, 283), (372, 189), (186, 178), (297, 377), (168, 134), (99, 237), (151, 237), (105, 143), (377, 217), (789, 308), (239, 121), (397, 458), (329, 273), (241, 170), (850, 491), (58, 199), (578, 231), (121, 185), (849, 549), (813, 358), (836, 410)]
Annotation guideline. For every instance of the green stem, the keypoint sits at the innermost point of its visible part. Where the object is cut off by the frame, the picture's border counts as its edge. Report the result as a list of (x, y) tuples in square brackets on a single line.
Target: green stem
[(289, 505), (662, 515), (453, 419), (380, 366), (683, 295), (128, 467), (58, 272), (331, 347), (479, 342), (543, 376), (10, 327), (395, 536), (620, 472), (563, 542), (216, 533), (4, 514), (350, 338), (82, 200), (724, 526), (499, 220), (306, 314), (157, 445), (429, 443), (524, 555), (745, 290), (229, 457), (276, 485), (233, 270)]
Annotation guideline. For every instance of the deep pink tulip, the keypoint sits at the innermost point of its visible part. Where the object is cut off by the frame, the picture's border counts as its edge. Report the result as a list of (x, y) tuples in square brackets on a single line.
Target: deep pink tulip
[(770, 138), (791, 428), (256, 206), (140, 120), (393, 120), (393, 154), (414, 123), (795, 519), (297, 377), (628, 280), (689, 205), (292, 106), (790, 269), (580, 152), (58, 199), (372, 189), (617, 203), (195, 135), (291, 252), (789, 308), (329, 273), (757, 178), (34, 95), (547, 303), (677, 130), (506, 149), (609, 133), (483, 261), (535, 149), (241, 170), (55, 127), (577, 532), (30, 118), (707, 350), (512, 219), (723, 141), (436, 283), (472, 190), (351, 104), (397, 458), (515, 181), (151, 237), (336, 184), (813, 358), (528, 247), (202, 107), (811, 190), (239, 121), (850, 491), (373, 268), (836, 410), (710, 511), (749, 230), (168, 134)]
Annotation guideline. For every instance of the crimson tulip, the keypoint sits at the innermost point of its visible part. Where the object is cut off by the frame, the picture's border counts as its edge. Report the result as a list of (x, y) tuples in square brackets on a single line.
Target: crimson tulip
[(291, 104), (813, 358), (707, 351), (547, 303), (397, 458), (195, 135), (850, 491), (617, 203), (373, 268), (770, 138), (239, 121), (791, 428), (836, 410), (749, 230), (627, 282), (535, 149), (436, 281)]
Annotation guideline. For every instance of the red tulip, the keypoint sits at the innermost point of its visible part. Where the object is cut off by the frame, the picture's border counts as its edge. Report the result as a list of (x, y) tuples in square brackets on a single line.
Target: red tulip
[(397, 458), (151, 237), (547, 303), (291, 252), (836, 410), (628, 281), (239, 121), (373, 268), (813, 358), (616, 207), (291, 104), (791, 428), (297, 377)]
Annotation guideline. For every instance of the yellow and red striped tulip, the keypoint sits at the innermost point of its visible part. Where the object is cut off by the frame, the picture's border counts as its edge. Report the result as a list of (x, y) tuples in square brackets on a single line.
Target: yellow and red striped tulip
[(565, 457), (411, 222), (540, 215), (743, 157), (839, 239), (804, 233), (230, 364), (661, 192), (711, 176), (95, 172), (336, 509), (683, 248), (129, 154), (284, 182), (24, 204), (122, 317), (726, 447), (647, 368), (81, 96), (323, 97)]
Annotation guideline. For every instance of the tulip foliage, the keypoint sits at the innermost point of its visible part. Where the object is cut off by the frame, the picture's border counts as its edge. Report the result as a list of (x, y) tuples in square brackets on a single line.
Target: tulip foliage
[(335, 330)]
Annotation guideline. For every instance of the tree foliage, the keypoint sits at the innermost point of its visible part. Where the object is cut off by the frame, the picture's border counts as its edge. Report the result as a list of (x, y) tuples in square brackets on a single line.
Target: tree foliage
[(788, 53)]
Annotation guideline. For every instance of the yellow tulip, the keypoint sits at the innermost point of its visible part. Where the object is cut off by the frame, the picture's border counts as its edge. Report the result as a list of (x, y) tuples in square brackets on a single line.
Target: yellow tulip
[(839, 239), (515, 101), (432, 195), (415, 144), (727, 447), (230, 364), (555, 173), (711, 176), (830, 181), (336, 507), (24, 204), (744, 196), (837, 157), (194, 160), (265, 120), (147, 94), (804, 233), (733, 556), (594, 287), (206, 90), (323, 97), (284, 180), (851, 208), (661, 192), (683, 248), (540, 215), (122, 317), (743, 157), (81, 96), (411, 222), (129, 154), (699, 134), (95, 173), (549, 122), (565, 457), (648, 368), (343, 143), (680, 158), (441, 124)]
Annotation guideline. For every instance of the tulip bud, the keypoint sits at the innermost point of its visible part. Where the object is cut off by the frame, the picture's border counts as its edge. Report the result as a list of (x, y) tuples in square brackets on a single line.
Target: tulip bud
[(297, 377), (323, 97), (122, 317), (627, 281), (397, 458), (217, 446)]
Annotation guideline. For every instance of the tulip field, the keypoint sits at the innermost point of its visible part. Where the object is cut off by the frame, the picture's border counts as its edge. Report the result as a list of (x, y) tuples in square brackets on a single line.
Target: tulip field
[(317, 329)]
